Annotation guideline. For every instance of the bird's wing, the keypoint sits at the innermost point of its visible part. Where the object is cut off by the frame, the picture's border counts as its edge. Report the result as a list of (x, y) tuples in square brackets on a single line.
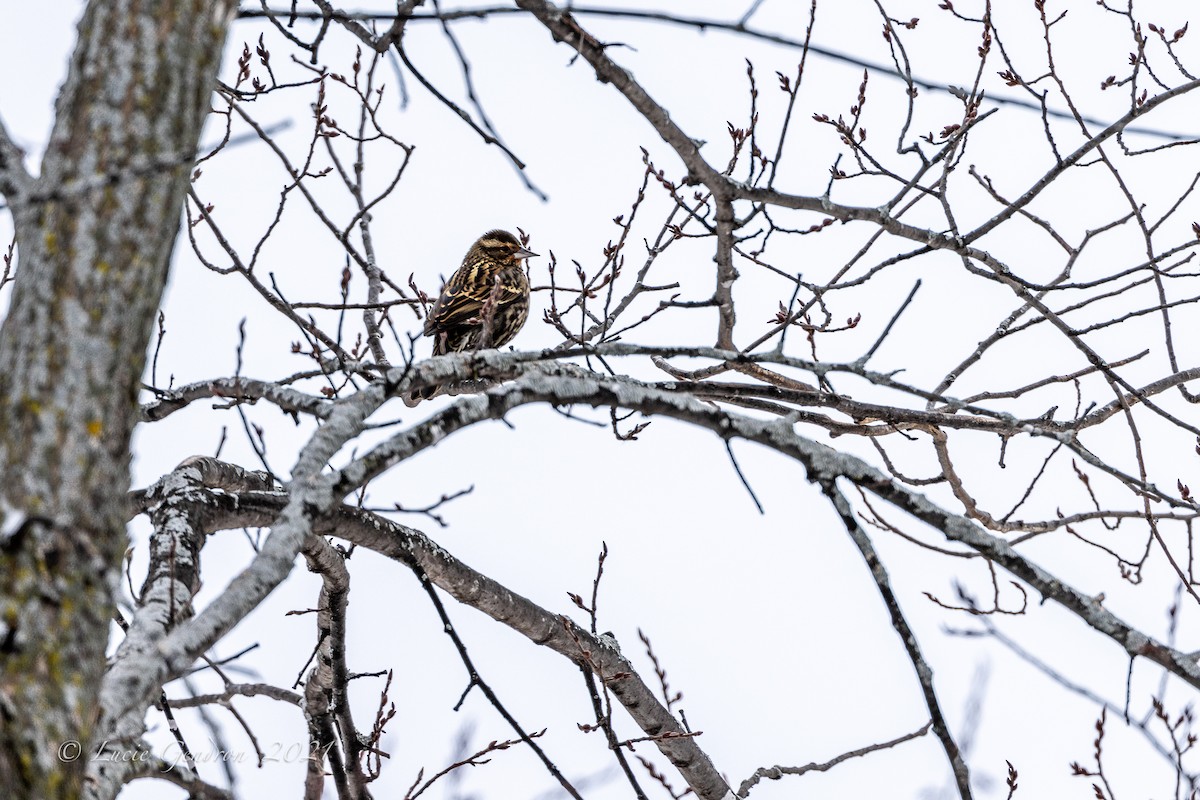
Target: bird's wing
[(463, 297)]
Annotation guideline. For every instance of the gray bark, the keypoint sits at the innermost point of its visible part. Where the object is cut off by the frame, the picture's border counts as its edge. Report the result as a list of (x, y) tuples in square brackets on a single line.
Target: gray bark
[(95, 233)]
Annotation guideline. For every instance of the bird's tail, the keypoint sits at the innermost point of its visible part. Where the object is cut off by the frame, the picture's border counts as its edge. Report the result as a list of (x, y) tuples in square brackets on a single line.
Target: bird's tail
[(417, 395)]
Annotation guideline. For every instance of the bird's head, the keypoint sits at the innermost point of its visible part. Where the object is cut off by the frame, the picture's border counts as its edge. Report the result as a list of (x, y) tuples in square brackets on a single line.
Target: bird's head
[(502, 246)]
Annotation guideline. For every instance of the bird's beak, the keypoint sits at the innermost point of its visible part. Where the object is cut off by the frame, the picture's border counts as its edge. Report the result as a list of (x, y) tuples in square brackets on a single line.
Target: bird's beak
[(524, 253)]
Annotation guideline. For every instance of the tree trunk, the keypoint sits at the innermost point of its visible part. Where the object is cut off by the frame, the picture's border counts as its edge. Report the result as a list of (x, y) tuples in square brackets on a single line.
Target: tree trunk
[(95, 234)]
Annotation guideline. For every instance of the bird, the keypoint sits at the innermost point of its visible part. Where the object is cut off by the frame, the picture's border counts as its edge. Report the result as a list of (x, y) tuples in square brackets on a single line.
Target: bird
[(484, 304)]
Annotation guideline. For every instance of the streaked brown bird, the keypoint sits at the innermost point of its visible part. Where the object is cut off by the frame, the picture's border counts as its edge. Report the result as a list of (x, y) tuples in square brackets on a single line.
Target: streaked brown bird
[(485, 302)]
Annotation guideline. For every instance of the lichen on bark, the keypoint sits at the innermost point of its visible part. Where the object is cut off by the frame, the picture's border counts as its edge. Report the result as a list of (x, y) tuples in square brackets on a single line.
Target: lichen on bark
[(94, 234)]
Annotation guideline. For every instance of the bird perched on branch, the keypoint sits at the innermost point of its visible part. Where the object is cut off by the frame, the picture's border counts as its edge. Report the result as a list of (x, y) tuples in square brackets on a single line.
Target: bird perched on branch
[(485, 302)]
